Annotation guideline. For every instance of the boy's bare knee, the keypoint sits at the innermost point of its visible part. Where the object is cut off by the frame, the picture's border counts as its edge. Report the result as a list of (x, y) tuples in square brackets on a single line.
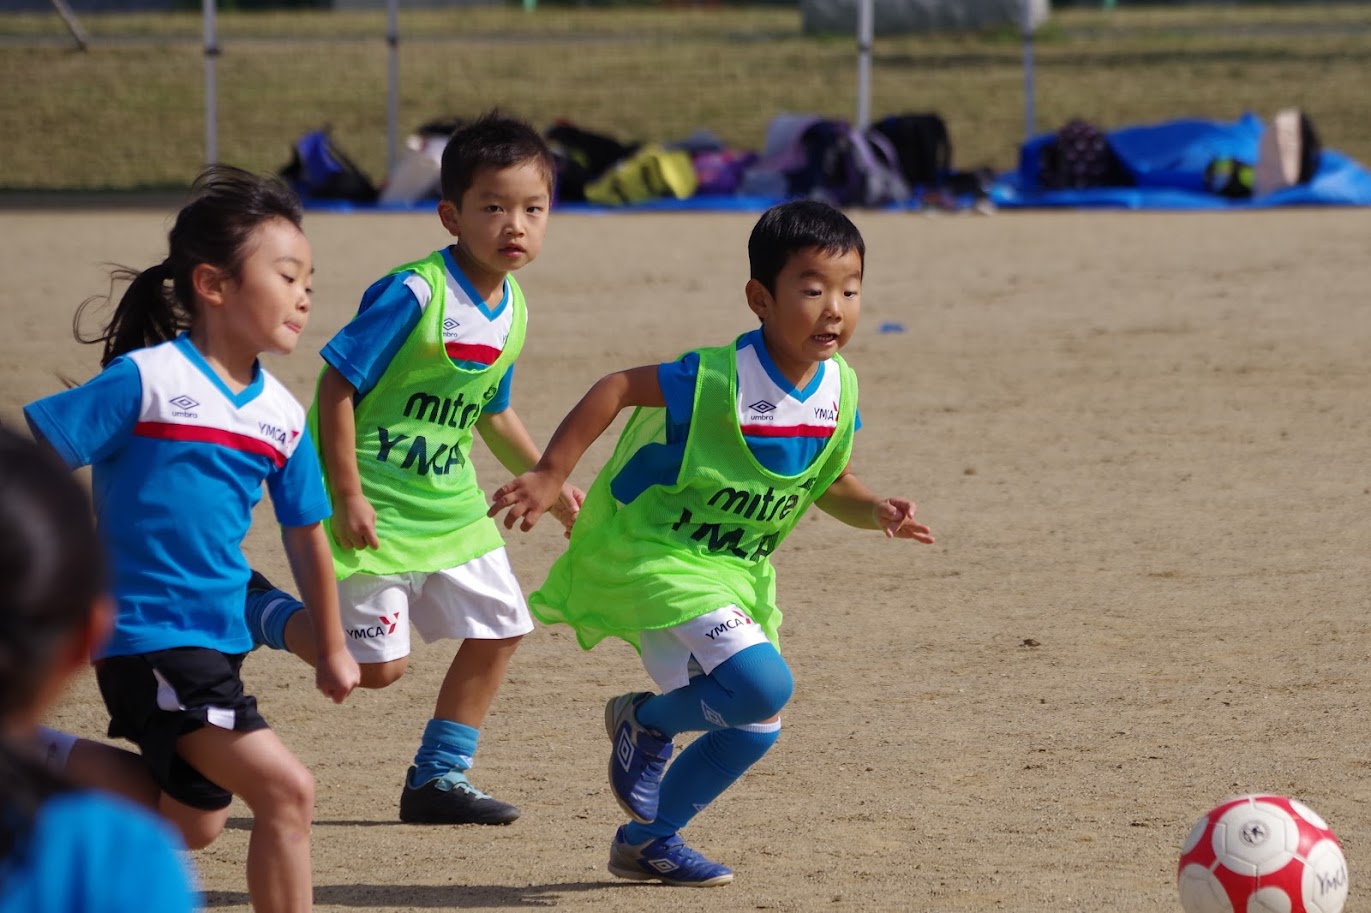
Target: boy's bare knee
[(288, 795), (200, 833), (198, 828), (379, 675)]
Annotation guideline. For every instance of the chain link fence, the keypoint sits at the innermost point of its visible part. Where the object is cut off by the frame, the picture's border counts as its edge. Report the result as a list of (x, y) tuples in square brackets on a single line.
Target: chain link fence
[(129, 112)]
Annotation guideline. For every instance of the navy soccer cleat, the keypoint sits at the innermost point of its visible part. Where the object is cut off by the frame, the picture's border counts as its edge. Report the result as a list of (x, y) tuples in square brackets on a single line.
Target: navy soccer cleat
[(638, 758), (665, 859), (451, 800)]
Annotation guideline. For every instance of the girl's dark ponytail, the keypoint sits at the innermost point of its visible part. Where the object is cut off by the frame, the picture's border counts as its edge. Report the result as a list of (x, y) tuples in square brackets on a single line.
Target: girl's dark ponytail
[(148, 312), (214, 227)]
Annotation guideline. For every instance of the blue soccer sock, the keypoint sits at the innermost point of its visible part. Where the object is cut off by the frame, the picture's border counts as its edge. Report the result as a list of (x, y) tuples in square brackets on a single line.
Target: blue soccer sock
[(708, 766), (750, 686), (267, 612), (446, 746)]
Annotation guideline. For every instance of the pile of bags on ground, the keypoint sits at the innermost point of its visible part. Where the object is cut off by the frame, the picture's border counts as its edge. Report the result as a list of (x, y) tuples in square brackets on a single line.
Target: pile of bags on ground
[(898, 160)]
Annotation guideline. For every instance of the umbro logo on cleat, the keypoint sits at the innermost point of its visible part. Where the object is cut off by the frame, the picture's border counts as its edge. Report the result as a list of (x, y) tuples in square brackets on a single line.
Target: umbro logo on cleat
[(623, 748), (662, 865)]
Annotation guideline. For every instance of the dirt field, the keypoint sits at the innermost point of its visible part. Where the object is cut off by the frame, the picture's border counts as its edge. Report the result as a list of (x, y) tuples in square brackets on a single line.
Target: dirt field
[(1142, 441)]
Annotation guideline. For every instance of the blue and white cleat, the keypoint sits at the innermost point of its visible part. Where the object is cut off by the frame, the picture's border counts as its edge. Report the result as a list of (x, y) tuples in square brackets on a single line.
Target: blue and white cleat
[(665, 859), (638, 759)]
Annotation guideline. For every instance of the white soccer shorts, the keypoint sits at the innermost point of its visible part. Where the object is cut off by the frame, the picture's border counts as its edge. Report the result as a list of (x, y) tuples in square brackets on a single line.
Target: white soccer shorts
[(480, 599)]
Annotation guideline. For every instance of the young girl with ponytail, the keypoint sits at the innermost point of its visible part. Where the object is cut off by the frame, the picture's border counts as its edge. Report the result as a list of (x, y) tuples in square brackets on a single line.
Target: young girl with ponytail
[(182, 427)]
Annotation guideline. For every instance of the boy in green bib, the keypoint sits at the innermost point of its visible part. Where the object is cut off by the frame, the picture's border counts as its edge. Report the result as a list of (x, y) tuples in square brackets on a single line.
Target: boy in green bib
[(725, 450), (427, 360)]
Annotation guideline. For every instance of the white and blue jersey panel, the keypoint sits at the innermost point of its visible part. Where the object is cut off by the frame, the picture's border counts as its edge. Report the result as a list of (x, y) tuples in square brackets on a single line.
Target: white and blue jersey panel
[(178, 462), (474, 333), (785, 428)]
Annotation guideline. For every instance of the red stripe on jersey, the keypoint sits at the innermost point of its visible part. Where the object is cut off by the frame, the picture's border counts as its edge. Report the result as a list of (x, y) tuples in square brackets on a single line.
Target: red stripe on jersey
[(788, 430), (462, 351), (167, 431)]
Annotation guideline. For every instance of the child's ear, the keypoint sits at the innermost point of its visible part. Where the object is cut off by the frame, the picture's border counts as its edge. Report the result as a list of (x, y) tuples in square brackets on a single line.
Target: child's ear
[(208, 282), (758, 298), (447, 214)]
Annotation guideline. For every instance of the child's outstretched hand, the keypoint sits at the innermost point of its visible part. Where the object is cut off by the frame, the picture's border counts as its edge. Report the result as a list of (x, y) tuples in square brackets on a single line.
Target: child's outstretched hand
[(528, 497), (568, 507), (336, 674), (896, 519)]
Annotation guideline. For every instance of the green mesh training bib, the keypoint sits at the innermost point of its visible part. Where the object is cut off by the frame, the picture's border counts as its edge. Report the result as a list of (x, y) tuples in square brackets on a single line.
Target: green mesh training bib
[(414, 434), (676, 552)]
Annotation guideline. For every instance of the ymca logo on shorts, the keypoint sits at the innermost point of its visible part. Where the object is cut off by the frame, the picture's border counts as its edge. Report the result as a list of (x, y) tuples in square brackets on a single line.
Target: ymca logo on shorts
[(385, 626), (735, 620)]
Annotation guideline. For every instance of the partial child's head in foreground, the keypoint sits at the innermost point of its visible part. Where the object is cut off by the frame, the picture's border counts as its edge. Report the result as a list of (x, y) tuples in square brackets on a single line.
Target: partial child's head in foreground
[(237, 244), (806, 261), (497, 176), (52, 607)]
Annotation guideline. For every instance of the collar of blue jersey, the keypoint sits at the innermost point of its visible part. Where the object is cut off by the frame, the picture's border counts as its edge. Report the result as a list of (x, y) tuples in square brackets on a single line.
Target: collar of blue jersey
[(470, 290), (193, 355), (757, 341)]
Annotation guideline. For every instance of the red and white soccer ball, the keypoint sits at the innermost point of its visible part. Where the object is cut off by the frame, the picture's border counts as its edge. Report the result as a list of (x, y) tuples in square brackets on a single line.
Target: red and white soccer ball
[(1262, 854)]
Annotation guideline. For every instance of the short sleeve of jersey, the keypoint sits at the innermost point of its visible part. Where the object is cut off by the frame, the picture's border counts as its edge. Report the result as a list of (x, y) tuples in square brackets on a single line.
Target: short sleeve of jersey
[(88, 423), (677, 380), (500, 401), (297, 490), (363, 349)]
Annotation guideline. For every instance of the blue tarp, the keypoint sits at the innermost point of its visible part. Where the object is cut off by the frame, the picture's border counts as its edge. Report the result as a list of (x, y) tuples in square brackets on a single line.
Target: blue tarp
[(1168, 162)]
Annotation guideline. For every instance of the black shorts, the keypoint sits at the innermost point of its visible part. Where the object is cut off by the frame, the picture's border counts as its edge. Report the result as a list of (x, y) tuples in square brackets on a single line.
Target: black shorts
[(155, 698)]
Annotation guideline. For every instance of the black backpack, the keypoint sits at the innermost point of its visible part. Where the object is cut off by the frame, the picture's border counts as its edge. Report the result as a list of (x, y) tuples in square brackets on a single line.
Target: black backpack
[(582, 156), (319, 170), (1080, 156), (922, 143)]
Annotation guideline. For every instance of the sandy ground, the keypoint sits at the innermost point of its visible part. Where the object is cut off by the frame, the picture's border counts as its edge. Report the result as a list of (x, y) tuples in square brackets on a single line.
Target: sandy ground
[(1142, 442)]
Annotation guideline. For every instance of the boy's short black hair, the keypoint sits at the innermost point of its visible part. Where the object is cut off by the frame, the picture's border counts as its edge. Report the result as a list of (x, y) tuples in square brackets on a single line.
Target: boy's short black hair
[(787, 228), (493, 140)]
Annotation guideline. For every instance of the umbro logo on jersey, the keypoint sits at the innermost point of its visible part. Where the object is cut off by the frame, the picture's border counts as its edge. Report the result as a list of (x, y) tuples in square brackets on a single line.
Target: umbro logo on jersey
[(450, 324), (762, 406), (184, 404)]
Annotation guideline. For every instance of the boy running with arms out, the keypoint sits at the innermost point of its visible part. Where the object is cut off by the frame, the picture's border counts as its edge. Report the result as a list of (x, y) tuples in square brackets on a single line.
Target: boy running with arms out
[(429, 357), (726, 449)]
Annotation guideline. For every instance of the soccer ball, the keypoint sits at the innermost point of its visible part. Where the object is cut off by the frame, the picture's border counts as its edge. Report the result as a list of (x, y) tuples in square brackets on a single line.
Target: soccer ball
[(1262, 854)]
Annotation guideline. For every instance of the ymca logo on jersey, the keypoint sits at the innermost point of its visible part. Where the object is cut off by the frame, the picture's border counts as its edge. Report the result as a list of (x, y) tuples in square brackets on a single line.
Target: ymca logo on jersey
[(281, 436), (827, 413)]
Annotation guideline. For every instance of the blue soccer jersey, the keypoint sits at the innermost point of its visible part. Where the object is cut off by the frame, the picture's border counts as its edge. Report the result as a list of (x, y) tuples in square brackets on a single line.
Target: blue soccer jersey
[(785, 428), (91, 853), (178, 462), (473, 332)]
